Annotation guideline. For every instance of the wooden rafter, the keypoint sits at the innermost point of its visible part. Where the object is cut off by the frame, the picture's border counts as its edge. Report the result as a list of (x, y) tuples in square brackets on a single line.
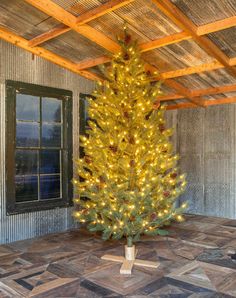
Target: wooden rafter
[(166, 75), (92, 62), (216, 26), (185, 92), (187, 105), (69, 20), (164, 41), (192, 70), (171, 11), (57, 12), (81, 20), (214, 90), (200, 92), (41, 52)]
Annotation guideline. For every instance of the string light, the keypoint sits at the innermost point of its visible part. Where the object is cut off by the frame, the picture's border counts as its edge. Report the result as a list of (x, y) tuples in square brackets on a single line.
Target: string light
[(127, 174)]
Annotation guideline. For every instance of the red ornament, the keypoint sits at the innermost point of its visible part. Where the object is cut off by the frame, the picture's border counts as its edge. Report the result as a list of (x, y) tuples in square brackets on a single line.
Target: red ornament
[(113, 148), (87, 159), (126, 114), (127, 38), (173, 176), (166, 194), (153, 216), (161, 127), (126, 56)]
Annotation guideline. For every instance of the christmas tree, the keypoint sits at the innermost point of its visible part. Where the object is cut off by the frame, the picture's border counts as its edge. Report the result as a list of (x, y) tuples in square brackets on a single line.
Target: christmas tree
[(127, 182)]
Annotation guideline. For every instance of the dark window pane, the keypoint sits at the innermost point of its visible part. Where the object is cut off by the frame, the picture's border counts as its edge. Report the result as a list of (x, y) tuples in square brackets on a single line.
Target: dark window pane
[(51, 109), (50, 187), (50, 161), (26, 162), (51, 135), (26, 188), (27, 134), (27, 107)]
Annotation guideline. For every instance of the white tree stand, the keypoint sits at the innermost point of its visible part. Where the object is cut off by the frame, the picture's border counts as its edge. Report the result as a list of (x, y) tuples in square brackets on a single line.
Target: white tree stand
[(130, 260)]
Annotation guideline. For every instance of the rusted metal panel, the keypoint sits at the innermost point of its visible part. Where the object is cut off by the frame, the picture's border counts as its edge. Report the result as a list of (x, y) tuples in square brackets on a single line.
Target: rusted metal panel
[(206, 141), (17, 64), (202, 12), (203, 80), (180, 55), (225, 40)]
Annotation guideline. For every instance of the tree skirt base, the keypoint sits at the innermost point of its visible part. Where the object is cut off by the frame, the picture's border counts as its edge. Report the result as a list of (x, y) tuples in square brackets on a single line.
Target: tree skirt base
[(129, 260)]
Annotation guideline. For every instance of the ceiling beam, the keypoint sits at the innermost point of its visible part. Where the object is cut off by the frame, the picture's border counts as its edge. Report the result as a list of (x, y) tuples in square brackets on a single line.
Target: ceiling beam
[(200, 92), (171, 11), (192, 70), (182, 105), (216, 26), (82, 19), (41, 52), (219, 101), (148, 46), (164, 41), (232, 61), (185, 92), (169, 74), (92, 62), (60, 14), (170, 96), (57, 12), (214, 90), (54, 32)]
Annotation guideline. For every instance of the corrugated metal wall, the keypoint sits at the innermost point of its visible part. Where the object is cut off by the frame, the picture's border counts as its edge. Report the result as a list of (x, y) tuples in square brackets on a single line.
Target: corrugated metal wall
[(206, 141), (19, 65)]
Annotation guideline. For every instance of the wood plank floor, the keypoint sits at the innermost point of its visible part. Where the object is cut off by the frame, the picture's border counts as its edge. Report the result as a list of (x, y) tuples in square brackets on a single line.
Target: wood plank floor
[(193, 263)]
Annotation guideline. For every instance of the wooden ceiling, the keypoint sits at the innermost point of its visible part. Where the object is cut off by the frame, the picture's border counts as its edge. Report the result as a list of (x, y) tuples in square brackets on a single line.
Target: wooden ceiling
[(192, 44)]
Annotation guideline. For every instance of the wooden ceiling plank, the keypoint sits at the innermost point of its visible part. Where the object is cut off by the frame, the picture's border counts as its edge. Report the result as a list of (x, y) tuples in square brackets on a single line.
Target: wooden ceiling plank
[(56, 31), (101, 10), (57, 12), (41, 52), (164, 41), (184, 105), (82, 19), (171, 11), (92, 62), (216, 26)]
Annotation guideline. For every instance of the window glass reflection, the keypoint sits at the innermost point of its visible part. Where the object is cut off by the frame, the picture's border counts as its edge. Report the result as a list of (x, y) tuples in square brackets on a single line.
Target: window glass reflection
[(50, 187), (50, 162), (27, 107), (26, 162), (51, 135), (26, 188), (51, 110), (27, 134)]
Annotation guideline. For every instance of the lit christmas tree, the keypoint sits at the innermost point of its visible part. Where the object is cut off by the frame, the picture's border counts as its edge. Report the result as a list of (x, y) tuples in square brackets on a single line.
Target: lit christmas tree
[(127, 182)]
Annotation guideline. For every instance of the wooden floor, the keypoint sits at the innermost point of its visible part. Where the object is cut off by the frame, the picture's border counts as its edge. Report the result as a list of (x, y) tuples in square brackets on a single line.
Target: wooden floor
[(194, 263)]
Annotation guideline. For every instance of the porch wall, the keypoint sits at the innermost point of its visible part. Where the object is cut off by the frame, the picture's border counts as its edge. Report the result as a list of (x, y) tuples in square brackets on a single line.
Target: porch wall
[(206, 141), (19, 65)]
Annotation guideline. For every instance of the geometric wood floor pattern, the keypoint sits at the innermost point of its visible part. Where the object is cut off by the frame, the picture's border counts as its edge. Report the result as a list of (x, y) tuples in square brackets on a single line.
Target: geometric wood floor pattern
[(193, 263)]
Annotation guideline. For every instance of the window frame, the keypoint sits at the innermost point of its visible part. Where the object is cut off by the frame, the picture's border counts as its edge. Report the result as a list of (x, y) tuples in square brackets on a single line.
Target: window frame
[(13, 207)]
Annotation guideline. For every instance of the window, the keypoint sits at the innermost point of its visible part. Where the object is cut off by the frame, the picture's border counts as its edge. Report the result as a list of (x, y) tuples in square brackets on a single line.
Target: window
[(83, 112), (39, 147)]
